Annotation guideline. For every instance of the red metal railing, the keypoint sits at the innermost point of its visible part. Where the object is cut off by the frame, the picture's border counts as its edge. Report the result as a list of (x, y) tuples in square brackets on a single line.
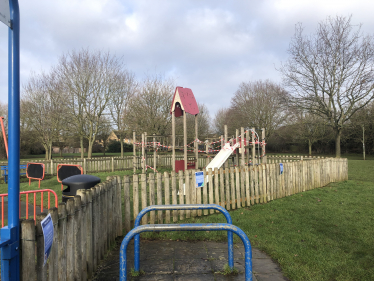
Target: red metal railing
[(27, 202)]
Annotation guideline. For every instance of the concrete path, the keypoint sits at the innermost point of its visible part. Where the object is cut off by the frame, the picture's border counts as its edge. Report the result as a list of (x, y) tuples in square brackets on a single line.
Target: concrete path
[(188, 261)]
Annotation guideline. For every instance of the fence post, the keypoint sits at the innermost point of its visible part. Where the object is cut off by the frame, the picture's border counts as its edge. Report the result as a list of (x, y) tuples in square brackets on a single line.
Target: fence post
[(77, 238), (89, 233), (94, 208), (84, 166), (152, 196), (53, 258), (210, 191), (119, 206), (51, 167), (62, 254), (28, 269), (188, 191), (181, 193), (174, 190), (83, 222), (41, 273), (144, 196), (126, 192), (70, 242)]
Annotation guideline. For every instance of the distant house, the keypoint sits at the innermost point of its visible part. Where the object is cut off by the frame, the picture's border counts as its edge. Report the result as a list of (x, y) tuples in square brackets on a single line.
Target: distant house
[(114, 137)]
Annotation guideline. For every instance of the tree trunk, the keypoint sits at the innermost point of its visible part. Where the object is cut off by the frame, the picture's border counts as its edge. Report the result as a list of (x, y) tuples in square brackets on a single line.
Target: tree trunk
[(121, 141), (310, 147), (337, 143), (82, 148), (46, 151), (89, 152)]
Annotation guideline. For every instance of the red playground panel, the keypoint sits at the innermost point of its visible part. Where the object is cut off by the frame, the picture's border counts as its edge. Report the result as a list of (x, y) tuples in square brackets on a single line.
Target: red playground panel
[(179, 165)]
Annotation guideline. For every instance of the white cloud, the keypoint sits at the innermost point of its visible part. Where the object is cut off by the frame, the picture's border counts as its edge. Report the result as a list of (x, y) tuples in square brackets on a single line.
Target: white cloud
[(210, 46)]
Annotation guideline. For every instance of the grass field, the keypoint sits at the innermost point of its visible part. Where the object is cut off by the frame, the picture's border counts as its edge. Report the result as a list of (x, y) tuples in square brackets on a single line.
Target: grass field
[(323, 234)]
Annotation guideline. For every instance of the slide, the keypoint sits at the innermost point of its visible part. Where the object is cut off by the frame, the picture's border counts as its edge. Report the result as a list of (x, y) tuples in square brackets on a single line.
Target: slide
[(222, 156)]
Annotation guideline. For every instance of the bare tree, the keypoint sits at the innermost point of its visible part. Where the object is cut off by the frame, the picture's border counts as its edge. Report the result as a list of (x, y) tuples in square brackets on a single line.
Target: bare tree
[(330, 73), (149, 109), (310, 128), (89, 80), (104, 131), (260, 104), (126, 87), (43, 109)]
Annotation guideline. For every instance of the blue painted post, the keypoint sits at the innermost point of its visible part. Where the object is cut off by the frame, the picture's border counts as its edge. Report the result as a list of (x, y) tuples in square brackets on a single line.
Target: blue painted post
[(230, 239), (186, 227), (10, 269)]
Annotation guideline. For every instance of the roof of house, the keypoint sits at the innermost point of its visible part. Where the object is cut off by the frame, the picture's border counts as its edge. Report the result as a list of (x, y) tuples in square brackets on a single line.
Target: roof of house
[(184, 100)]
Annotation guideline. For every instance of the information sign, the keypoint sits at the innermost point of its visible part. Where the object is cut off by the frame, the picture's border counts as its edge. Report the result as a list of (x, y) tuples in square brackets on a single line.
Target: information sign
[(199, 179), (5, 12), (281, 168), (47, 227)]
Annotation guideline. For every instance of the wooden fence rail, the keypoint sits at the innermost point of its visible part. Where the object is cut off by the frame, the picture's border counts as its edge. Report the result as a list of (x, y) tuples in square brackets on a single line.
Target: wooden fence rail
[(111, 164), (232, 188), (84, 229)]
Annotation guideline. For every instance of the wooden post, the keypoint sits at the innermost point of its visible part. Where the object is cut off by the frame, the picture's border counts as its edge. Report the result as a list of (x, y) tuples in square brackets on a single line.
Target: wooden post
[(205, 191), (174, 194), (28, 271), (237, 150), (126, 192), (232, 179), (188, 192), (70, 242), (227, 182), (248, 137), (173, 140), (152, 196), (41, 271), (237, 185), (112, 164), (144, 196), (247, 184), (53, 257), (134, 162), (253, 148), (196, 144), (89, 234), (225, 141), (119, 206), (216, 186), (83, 223), (167, 196), (222, 187), (181, 193), (159, 197), (52, 167), (143, 154), (242, 147), (154, 154), (78, 238), (242, 186), (62, 241), (185, 139), (211, 189), (263, 146)]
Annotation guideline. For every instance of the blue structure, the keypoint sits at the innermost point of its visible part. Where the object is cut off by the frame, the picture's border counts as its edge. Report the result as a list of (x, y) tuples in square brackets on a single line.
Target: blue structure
[(230, 240), (10, 234), (186, 227)]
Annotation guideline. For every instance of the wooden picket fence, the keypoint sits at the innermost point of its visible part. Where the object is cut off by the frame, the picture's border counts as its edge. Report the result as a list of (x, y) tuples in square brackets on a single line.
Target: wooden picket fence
[(231, 188), (84, 229), (111, 164)]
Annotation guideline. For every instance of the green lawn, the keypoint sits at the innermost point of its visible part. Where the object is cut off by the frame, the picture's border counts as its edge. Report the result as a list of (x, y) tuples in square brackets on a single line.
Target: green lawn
[(323, 234)]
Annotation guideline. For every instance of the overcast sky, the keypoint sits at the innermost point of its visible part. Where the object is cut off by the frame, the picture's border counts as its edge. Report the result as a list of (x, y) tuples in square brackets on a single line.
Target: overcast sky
[(208, 46)]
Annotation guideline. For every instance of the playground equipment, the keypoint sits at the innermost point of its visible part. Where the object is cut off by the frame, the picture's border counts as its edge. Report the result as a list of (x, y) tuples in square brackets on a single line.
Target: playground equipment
[(4, 135), (186, 227), (183, 102), (183, 207), (35, 171)]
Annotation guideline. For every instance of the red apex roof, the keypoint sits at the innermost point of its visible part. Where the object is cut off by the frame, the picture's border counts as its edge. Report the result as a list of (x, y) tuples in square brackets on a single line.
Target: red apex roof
[(186, 99)]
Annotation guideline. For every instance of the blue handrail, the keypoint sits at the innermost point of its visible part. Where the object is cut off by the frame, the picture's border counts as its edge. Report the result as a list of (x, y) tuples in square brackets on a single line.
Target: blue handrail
[(230, 239), (186, 227)]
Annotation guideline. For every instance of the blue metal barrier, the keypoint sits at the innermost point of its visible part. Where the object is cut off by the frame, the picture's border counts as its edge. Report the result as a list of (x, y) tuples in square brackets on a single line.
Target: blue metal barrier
[(183, 207), (186, 227)]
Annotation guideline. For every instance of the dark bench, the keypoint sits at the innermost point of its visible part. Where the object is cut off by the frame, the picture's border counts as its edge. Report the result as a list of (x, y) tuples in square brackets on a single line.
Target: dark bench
[(5, 169)]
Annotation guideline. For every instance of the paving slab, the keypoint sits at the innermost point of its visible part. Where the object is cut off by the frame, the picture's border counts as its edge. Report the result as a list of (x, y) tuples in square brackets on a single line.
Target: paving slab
[(185, 261)]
